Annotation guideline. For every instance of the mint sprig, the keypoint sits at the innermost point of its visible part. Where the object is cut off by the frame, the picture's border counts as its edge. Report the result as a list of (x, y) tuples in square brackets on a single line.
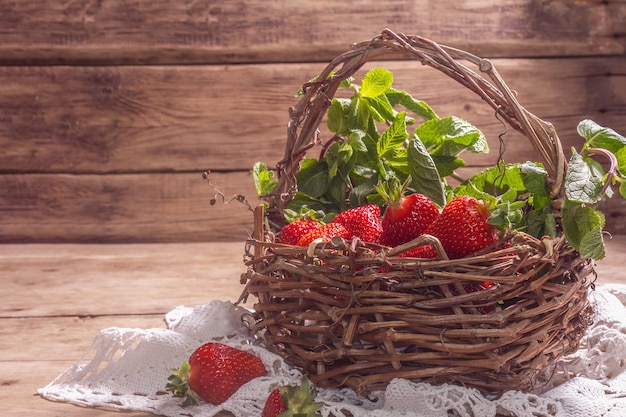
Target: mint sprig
[(264, 181), (383, 137), (377, 139), (587, 183)]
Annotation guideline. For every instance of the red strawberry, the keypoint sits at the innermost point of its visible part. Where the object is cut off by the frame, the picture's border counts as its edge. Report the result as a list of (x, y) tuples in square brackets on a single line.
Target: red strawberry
[(407, 218), (462, 227), (275, 404), (292, 400), (291, 233), (214, 372), (362, 222), (424, 251), (326, 232), (480, 286)]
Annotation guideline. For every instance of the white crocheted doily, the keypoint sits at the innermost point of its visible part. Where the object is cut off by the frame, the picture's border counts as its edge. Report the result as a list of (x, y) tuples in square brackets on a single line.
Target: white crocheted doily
[(127, 369)]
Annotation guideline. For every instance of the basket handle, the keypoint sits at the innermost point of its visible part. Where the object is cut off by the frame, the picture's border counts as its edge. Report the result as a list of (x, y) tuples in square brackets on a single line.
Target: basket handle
[(307, 114)]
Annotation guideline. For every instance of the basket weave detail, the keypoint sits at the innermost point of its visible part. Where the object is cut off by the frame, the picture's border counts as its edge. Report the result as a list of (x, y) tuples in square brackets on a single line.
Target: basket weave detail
[(355, 314)]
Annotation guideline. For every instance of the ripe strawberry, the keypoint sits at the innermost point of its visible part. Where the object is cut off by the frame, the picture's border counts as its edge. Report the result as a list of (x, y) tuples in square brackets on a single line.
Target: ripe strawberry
[(480, 286), (326, 232), (407, 218), (275, 404), (292, 400), (291, 233), (215, 371), (462, 227), (424, 251), (362, 222)]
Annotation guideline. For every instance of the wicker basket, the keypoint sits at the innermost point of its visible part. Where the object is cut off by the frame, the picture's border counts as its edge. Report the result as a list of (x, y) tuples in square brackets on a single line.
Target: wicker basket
[(351, 314)]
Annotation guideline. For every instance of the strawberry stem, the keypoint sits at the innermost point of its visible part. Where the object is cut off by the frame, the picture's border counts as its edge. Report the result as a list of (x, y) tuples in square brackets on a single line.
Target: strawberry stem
[(178, 384), (391, 191)]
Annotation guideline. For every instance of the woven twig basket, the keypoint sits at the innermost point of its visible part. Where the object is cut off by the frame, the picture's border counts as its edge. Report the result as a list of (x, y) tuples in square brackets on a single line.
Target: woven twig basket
[(352, 314)]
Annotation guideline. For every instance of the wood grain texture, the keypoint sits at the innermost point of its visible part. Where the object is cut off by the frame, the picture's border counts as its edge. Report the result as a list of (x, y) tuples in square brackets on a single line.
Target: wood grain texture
[(109, 111), (190, 118), (58, 280), (158, 32), (115, 208), (115, 154)]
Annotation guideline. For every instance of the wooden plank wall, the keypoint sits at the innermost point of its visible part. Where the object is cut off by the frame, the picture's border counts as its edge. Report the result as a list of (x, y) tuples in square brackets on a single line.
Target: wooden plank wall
[(111, 111)]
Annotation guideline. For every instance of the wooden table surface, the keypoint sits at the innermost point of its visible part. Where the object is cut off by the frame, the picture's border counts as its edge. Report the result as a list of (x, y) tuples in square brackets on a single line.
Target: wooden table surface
[(57, 297)]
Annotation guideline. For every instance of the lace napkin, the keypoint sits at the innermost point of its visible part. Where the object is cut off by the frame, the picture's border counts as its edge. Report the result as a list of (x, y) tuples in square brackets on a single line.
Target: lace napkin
[(126, 369)]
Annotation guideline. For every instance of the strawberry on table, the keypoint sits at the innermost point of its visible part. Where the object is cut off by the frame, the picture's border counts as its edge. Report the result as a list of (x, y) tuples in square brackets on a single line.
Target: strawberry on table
[(215, 371), (462, 227), (326, 232), (292, 232), (363, 222), (292, 401)]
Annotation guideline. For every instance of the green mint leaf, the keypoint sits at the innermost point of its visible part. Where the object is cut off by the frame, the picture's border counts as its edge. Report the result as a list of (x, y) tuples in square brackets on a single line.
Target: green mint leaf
[(338, 158), (497, 180), (549, 225), (376, 82), (592, 244), (362, 114), (597, 136), (364, 171), (509, 196), (622, 189), (417, 107), (338, 192), (470, 188), (422, 168), (538, 201), (393, 137), (302, 203), (371, 110), (338, 120), (398, 161), (446, 165), (506, 215), (583, 179), (621, 161), (540, 222), (450, 135), (371, 137), (359, 195), (582, 226), (313, 178), (356, 140), (384, 171), (263, 179), (380, 107), (534, 177)]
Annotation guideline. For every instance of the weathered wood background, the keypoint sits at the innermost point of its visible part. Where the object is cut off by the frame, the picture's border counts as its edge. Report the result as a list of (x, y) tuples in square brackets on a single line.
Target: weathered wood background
[(111, 111)]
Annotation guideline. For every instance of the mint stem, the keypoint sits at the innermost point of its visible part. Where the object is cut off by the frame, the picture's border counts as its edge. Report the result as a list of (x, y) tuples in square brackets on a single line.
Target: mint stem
[(612, 167)]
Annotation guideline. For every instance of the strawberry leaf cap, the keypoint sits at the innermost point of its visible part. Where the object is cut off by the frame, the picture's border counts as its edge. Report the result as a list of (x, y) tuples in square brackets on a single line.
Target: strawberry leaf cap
[(178, 384), (299, 400)]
